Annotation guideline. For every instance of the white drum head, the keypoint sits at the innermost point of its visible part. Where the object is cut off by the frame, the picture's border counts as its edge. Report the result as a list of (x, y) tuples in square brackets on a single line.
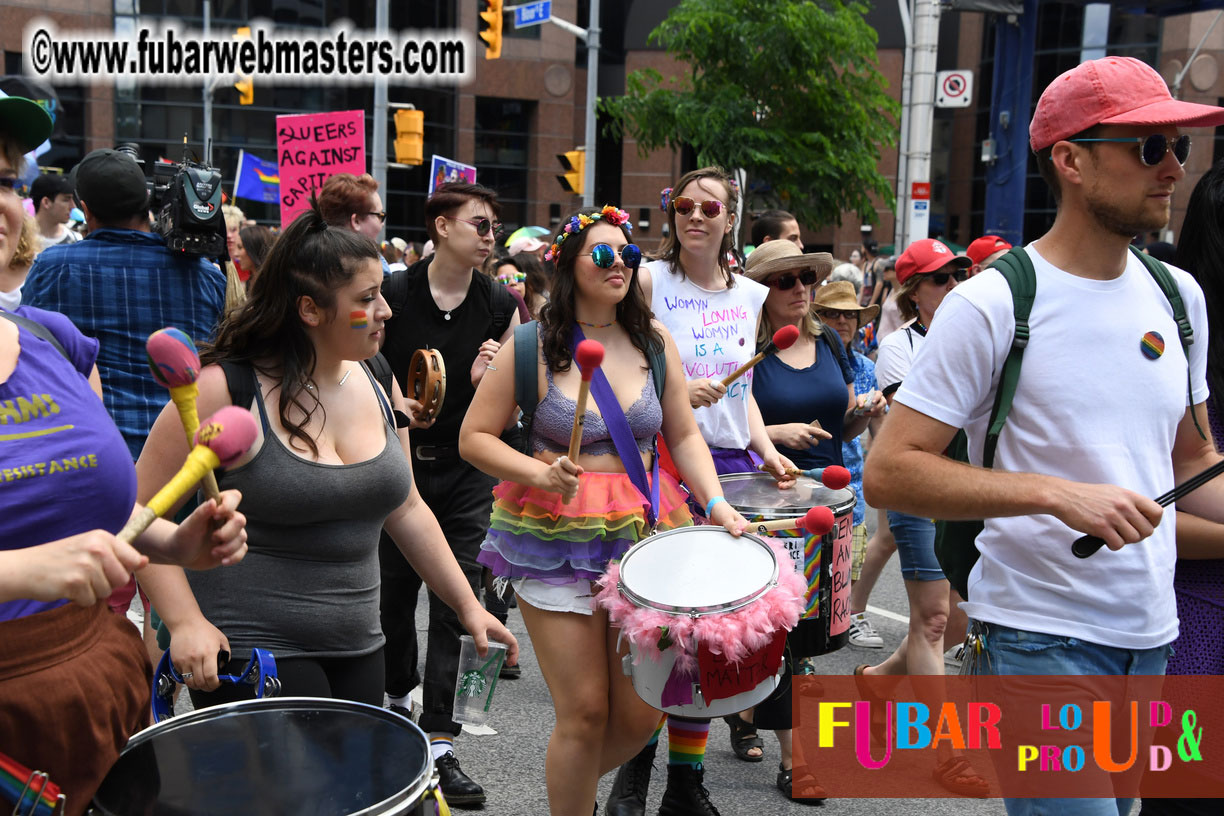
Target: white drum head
[(697, 569)]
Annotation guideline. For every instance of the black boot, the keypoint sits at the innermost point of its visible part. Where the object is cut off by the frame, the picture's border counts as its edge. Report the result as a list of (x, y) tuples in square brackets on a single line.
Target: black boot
[(685, 795), (628, 796)]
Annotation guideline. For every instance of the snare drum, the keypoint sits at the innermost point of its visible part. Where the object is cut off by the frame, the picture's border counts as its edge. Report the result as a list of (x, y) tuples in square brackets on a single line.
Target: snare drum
[(706, 616), (823, 562), (290, 755)]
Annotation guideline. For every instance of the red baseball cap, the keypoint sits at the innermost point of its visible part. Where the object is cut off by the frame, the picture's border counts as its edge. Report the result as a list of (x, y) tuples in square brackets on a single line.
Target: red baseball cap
[(1111, 91), (927, 255), (984, 247)]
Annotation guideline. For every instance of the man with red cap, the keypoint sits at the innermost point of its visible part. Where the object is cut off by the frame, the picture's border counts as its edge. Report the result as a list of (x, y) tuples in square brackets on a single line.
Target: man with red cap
[(1103, 415), (985, 251)]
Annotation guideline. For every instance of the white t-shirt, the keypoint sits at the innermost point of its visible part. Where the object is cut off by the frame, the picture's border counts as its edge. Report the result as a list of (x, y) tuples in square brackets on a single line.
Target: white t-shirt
[(715, 332), (1090, 407), (11, 300), (890, 317), (896, 357)]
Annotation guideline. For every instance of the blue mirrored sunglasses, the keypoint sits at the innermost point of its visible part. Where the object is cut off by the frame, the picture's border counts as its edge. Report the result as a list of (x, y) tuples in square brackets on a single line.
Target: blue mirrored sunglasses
[(604, 256)]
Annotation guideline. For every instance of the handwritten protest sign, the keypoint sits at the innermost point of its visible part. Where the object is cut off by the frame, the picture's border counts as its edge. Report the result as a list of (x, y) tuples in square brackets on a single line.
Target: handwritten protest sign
[(310, 148), (721, 679)]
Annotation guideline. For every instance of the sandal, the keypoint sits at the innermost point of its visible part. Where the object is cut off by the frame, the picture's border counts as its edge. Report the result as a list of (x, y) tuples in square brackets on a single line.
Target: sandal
[(955, 774), (814, 793), (744, 738)]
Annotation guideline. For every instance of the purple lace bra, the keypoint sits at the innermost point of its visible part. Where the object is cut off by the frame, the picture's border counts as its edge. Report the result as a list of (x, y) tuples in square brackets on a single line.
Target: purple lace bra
[(554, 418)]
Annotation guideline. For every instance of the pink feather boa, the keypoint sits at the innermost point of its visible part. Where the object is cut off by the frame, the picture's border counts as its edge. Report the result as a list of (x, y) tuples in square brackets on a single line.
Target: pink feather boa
[(735, 635)]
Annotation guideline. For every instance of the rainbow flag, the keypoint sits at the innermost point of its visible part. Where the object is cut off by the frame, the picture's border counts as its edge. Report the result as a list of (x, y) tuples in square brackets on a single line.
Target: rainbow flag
[(256, 179)]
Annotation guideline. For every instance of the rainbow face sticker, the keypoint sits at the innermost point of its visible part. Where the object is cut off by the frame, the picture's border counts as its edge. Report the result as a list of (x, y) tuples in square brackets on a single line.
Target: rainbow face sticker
[(1152, 345), (359, 320)]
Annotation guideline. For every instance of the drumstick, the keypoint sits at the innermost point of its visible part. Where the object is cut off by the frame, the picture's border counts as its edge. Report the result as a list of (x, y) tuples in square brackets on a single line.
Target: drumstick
[(783, 338), (834, 477), (817, 521), (588, 355), (175, 363), (221, 440), (1087, 545)]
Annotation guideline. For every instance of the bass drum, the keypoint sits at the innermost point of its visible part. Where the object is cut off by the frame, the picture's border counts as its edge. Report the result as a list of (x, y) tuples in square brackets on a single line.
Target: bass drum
[(290, 756)]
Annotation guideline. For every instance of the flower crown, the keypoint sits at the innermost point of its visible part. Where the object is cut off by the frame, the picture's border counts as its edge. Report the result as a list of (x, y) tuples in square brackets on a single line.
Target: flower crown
[(613, 215)]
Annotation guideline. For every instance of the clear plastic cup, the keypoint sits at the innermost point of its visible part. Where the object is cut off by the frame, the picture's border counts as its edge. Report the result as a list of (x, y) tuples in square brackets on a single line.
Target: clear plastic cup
[(476, 679)]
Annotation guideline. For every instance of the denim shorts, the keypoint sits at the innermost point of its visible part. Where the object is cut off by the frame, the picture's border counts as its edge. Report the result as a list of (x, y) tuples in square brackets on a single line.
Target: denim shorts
[(1008, 651), (915, 547), (577, 597)]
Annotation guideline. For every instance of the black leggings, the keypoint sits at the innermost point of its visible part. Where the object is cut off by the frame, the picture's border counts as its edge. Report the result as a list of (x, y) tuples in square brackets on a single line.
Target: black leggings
[(359, 679)]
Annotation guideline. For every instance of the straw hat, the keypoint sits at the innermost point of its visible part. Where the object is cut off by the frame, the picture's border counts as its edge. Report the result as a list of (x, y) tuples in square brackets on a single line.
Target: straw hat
[(840, 295), (776, 256)]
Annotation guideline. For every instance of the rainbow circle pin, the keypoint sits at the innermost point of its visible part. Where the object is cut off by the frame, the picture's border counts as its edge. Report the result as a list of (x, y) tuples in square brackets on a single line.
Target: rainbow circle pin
[(1152, 345)]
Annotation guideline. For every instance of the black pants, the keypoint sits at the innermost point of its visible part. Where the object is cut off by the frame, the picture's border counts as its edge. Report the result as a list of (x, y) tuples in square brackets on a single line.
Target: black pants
[(358, 679), (461, 498)]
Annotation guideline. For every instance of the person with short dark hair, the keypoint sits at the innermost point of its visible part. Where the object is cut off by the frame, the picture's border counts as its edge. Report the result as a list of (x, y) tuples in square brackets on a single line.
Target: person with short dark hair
[(443, 303), (53, 203), (773, 225)]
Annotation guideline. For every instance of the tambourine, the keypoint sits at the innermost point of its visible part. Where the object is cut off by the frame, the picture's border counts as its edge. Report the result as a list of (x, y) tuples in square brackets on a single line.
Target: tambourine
[(427, 381)]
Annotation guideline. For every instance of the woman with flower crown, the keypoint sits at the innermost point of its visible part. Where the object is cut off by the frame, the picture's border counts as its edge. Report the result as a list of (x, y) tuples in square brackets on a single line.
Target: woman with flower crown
[(557, 522)]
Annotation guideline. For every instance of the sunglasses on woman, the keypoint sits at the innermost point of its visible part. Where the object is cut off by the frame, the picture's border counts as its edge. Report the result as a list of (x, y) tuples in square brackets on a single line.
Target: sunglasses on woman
[(604, 256), (483, 225), (785, 281), (685, 206), (514, 277), (833, 314), (941, 278), (1153, 149)]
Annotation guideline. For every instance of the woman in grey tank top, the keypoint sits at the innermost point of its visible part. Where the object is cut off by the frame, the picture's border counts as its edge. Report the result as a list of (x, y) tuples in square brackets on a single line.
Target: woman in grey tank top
[(329, 471), (556, 523)]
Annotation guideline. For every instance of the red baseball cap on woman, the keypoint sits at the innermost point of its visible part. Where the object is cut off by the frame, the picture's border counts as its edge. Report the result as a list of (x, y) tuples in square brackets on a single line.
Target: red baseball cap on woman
[(927, 255)]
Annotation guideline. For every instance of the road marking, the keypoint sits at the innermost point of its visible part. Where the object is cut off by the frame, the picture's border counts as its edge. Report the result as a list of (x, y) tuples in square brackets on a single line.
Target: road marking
[(884, 613)]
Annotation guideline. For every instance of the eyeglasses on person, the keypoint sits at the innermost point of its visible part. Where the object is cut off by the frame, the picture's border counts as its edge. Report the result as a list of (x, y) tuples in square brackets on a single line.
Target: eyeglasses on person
[(941, 278), (1152, 149), (604, 256), (381, 215), (833, 314), (513, 277), (685, 206), (787, 280), (482, 225)]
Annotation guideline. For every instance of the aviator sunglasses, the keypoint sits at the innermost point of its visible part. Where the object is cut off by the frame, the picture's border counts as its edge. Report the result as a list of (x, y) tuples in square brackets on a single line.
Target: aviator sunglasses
[(483, 226), (604, 256), (685, 205), (785, 281), (1152, 149), (941, 278)]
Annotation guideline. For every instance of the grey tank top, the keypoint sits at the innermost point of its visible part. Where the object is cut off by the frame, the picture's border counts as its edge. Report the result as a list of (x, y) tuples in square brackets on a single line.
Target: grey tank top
[(554, 419), (309, 584)]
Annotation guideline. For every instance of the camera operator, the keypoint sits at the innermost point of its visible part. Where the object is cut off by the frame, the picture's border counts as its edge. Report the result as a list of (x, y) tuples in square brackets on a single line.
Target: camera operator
[(121, 284)]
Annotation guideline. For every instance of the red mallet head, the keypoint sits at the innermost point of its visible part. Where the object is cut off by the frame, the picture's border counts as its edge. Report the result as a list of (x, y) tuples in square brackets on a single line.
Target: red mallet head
[(589, 355), (229, 433), (817, 521), (786, 336), (173, 358), (835, 477)]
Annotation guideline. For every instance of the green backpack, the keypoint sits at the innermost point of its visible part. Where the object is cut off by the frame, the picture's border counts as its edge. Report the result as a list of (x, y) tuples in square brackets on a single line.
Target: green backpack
[(956, 541)]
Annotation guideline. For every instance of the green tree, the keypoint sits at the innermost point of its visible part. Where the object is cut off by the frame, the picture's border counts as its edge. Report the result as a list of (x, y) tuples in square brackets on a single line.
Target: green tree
[(788, 90)]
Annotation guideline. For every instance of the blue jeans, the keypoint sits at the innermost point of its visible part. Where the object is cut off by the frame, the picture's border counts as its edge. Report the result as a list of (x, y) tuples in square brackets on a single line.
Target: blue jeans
[(915, 547), (1008, 651)]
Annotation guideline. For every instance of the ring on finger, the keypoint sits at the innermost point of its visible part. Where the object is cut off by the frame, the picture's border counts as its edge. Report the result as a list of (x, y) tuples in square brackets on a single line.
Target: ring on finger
[(187, 675)]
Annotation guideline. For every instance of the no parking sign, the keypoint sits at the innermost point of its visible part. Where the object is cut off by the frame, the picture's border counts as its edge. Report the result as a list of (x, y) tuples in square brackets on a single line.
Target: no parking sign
[(953, 89)]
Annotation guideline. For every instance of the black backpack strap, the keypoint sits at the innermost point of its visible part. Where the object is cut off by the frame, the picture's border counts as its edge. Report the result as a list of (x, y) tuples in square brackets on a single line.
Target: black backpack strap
[(505, 307), (38, 330), (656, 358), (380, 370), (1017, 270), (526, 376), (241, 382), (1164, 279)]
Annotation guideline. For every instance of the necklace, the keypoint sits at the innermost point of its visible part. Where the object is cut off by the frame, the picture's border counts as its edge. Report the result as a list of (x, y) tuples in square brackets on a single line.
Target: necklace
[(918, 324), (447, 315), (594, 325), (343, 380)]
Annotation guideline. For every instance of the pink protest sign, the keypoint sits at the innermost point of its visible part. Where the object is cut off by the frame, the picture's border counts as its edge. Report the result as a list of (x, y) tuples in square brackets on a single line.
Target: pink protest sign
[(310, 148)]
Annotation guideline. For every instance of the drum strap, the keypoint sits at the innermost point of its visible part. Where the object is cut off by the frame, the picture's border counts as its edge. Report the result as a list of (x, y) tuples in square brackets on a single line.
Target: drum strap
[(622, 437)]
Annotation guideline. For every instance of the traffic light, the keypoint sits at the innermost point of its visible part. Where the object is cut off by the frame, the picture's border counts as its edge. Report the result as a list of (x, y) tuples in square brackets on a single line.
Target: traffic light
[(409, 136), (246, 90), (492, 35), (574, 164), (246, 85)]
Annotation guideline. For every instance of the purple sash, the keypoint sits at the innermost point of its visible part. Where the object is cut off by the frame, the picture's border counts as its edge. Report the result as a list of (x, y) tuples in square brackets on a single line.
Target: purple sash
[(622, 437)]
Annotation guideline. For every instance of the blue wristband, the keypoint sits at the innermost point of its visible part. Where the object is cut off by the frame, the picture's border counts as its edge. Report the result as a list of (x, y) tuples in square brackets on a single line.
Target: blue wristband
[(710, 504)]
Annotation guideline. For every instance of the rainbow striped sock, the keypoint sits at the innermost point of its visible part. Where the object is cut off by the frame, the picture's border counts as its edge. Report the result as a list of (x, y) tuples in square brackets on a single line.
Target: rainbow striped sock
[(686, 741), (441, 744), (654, 738)]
